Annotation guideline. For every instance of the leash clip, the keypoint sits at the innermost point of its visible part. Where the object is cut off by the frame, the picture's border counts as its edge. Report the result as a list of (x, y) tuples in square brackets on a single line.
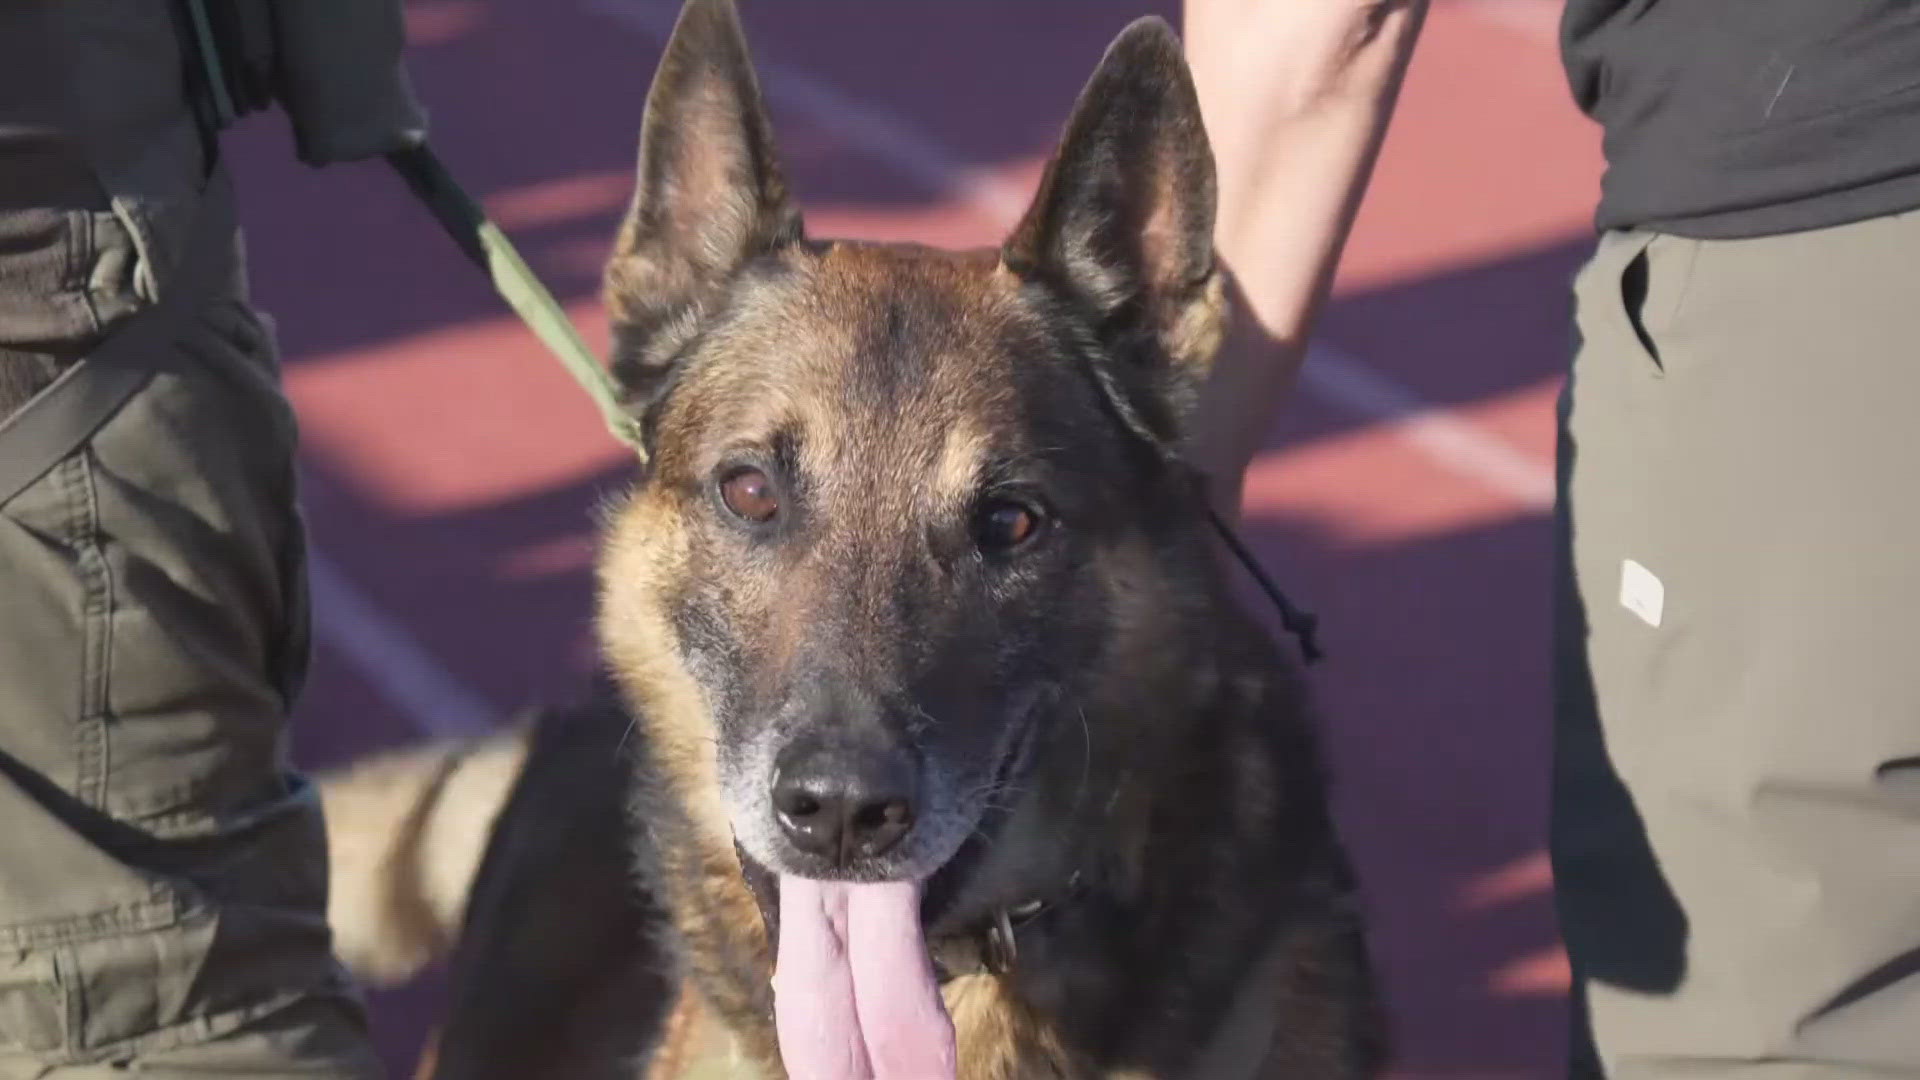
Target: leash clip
[(1001, 951)]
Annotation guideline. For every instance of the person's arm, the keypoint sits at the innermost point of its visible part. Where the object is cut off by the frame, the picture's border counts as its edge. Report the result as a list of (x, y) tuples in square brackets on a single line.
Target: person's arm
[(1295, 95)]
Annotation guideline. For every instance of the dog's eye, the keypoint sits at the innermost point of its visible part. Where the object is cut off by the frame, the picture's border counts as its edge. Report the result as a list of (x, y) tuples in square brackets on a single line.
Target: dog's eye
[(1003, 524), (749, 493)]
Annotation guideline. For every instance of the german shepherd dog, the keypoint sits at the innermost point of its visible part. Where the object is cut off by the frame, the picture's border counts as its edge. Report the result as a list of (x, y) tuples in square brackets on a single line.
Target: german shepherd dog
[(951, 752)]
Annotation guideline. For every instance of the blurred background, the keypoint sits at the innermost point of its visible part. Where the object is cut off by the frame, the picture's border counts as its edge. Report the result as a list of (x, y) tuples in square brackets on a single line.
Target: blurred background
[(452, 470)]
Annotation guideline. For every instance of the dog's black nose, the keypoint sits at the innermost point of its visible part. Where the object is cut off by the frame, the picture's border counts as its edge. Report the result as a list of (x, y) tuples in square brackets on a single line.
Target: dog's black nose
[(844, 803)]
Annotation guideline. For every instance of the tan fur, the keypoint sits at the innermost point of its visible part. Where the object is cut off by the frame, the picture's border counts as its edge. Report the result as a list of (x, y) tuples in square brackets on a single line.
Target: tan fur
[(998, 1038), (676, 1039), (708, 899), (1196, 334), (958, 474), (712, 910), (697, 1046), (429, 1061), (644, 551), (405, 834)]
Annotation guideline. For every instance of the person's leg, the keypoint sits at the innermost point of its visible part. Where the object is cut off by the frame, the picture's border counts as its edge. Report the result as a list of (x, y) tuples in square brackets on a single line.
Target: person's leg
[(1736, 830), (314, 1038), (162, 868)]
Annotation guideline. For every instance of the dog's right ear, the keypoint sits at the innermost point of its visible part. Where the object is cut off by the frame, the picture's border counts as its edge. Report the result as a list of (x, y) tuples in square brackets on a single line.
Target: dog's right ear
[(1123, 219), (708, 199)]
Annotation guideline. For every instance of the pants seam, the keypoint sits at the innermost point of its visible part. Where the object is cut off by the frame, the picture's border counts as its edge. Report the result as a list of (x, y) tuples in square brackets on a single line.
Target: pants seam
[(97, 629)]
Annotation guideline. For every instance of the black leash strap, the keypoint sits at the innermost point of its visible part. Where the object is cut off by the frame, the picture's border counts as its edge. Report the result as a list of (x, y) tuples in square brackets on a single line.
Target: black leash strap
[(1304, 625)]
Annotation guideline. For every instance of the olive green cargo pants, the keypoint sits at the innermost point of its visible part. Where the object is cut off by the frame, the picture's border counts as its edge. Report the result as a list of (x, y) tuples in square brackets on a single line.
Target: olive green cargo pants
[(1736, 827), (162, 868)]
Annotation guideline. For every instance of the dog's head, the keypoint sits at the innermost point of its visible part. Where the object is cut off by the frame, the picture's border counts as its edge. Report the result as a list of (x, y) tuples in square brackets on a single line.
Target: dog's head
[(900, 503)]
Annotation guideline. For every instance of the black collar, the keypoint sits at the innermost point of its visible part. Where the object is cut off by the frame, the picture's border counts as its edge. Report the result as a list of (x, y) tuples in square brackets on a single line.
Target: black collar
[(992, 947)]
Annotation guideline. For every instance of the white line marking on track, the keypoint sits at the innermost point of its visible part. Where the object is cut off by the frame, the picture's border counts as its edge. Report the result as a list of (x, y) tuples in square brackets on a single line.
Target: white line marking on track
[(1535, 19), (433, 699), (888, 137), (1358, 388), (1439, 433)]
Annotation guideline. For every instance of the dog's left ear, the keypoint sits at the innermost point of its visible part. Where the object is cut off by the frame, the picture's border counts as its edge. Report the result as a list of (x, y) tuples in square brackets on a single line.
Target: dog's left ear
[(1123, 220), (709, 197)]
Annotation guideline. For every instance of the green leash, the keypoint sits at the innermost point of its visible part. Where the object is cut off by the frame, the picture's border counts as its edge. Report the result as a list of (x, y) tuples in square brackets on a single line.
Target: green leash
[(489, 248)]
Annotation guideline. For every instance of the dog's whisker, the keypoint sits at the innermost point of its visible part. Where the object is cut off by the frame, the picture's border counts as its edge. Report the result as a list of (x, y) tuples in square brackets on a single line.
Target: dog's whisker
[(1086, 755), (919, 720)]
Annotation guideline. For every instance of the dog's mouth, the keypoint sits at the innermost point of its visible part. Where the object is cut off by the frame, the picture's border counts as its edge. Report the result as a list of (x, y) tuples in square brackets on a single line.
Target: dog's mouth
[(855, 989)]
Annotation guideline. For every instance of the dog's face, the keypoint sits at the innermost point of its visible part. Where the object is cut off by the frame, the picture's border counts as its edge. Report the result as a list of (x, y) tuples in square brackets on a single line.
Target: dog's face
[(898, 502)]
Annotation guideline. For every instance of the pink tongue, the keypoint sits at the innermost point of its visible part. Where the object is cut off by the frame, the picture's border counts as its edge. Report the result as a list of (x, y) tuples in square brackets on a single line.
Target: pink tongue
[(853, 989)]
